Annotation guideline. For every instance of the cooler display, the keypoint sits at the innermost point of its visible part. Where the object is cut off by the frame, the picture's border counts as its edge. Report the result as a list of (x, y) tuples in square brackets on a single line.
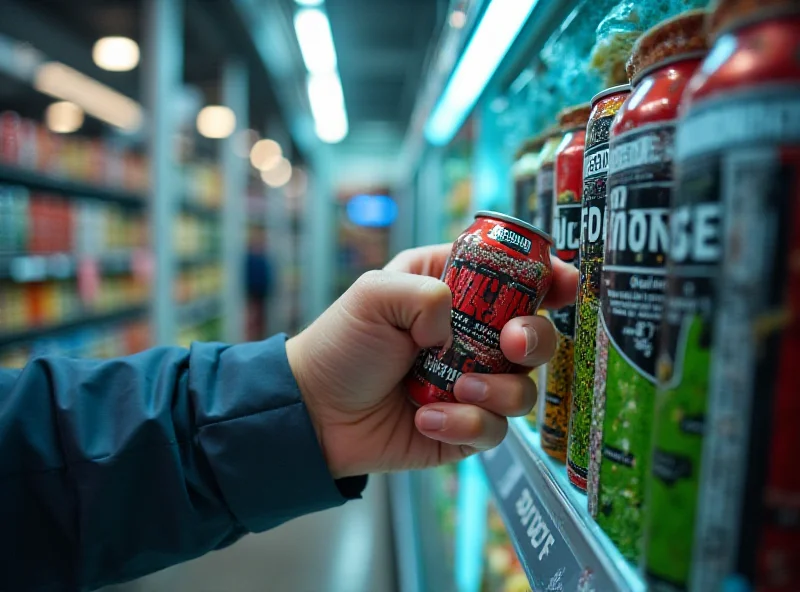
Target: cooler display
[(666, 427)]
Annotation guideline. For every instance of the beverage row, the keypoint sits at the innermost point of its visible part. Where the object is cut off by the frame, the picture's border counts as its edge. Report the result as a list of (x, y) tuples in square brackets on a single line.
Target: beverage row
[(44, 304), (106, 341), (200, 282), (38, 223), (673, 397), (27, 144)]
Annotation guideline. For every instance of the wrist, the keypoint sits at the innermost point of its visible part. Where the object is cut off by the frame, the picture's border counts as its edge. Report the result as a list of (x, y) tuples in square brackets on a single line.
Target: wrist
[(295, 354)]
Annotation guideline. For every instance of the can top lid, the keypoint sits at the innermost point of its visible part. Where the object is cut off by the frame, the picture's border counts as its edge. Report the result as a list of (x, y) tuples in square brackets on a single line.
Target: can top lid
[(513, 220), (620, 88), (576, 116), (728, 15), (679, 36)]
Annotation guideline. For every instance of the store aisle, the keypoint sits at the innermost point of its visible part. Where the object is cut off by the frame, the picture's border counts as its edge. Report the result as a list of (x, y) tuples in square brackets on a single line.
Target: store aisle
[(348, 549)]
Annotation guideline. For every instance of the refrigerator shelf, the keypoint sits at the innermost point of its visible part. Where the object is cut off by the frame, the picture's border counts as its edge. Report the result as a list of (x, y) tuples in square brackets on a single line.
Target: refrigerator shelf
[(559, 544)]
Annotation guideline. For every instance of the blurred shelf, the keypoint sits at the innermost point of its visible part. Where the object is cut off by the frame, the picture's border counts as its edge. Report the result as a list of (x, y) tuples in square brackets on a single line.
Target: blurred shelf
[(187, 261), (558, 542), (60, 266), (200, 210), (83, 322), (407, 543), (43, 182), (199, 311)]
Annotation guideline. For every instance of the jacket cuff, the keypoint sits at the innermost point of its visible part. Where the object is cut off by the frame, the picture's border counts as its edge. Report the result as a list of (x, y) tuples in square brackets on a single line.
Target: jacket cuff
[(258, 437)]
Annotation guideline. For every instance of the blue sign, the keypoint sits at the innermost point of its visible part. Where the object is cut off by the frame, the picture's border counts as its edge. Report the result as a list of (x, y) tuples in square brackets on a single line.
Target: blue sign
[(376, 211)]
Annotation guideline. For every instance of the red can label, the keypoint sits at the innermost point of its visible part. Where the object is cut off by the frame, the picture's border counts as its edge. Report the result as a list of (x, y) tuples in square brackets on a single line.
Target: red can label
[(496, 272)]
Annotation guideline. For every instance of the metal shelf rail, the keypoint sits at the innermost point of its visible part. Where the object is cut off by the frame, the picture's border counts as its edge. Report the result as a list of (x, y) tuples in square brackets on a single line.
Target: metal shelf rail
[(37, 180), (559, 544)]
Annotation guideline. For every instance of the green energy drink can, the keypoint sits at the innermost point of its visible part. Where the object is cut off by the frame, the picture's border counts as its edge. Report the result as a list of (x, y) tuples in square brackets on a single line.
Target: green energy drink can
[(593, 210), (632, 294)]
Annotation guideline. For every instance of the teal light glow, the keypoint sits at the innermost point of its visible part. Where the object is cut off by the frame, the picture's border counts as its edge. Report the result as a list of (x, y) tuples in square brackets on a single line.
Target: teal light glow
[(494, 35), (471, 527)]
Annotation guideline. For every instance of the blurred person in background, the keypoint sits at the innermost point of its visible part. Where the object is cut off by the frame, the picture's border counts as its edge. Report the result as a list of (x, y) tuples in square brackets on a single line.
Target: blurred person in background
[(114, 469), (259, 283)]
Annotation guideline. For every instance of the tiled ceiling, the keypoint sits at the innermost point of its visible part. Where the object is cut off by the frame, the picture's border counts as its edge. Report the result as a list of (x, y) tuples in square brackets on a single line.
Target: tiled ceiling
[(382, 46)]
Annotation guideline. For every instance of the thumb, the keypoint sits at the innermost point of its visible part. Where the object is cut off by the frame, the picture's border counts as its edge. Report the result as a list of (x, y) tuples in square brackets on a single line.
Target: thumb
[(416, 304)]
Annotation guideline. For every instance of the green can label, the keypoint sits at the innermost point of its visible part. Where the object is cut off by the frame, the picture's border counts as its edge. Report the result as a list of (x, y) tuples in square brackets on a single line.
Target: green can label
[(683, 369), (631, 307), (593, 230)]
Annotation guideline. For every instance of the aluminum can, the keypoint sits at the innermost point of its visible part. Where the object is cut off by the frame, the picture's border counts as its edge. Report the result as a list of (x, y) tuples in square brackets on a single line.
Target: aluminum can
[(632, 296), (593, 211), (525, 170), (554, 422), (736, 250), (499, 268)]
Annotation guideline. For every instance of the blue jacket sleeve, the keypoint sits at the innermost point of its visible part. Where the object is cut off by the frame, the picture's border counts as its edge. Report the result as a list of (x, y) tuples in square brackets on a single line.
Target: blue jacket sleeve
[(111, 470)]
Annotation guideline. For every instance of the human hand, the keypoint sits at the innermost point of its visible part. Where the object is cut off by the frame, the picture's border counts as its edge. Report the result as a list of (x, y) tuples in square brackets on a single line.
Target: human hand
[(350, 364)]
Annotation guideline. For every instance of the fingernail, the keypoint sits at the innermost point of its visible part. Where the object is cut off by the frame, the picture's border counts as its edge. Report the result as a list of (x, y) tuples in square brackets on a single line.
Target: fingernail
[(531, 339), (472, 390), (432, 420)]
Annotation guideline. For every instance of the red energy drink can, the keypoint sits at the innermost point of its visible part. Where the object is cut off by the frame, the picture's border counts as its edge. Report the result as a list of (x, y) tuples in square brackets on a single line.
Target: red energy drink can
[(736, 226), (499, 269), (554, 422)]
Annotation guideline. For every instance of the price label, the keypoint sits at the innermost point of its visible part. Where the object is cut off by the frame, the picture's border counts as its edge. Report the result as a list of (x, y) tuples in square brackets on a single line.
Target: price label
[(548, 559)]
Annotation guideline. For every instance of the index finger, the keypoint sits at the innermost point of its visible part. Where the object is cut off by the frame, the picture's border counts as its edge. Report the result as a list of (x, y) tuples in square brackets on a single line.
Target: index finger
[(430, 261), (564, 289)]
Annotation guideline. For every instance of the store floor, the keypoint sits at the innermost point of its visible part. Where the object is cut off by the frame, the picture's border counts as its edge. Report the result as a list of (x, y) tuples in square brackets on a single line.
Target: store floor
[(347, 549)]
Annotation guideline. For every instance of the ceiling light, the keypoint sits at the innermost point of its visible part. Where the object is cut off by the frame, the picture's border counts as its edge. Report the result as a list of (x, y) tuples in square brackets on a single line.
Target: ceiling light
[(458, 18), (279, 175), (117, 54), (216, 122), (309, 2), (494, 34), (327, 106), (98, 100), (265, 155), (315, 39), (64, 117)]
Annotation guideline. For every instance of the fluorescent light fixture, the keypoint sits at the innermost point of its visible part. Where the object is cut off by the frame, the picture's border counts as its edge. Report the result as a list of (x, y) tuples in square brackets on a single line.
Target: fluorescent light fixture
[(496, 31), (64, 117), (279, 175), (316, 40), (266, 154), (327, 107), (98, 100), (216, 122), (309, 2), (116, 54)]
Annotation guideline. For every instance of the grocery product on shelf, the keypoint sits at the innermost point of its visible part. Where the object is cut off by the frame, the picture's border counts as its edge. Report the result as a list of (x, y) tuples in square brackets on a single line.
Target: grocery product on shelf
[(566, 236), (524, 174), (499, 269), (736, 214), (104, 340), (503, 571), (542, 217), (29, 145), (640, 182), (605, 106)]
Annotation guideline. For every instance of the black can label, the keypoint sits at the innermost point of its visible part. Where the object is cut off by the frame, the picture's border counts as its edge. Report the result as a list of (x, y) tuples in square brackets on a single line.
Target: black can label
[(631, 307), (593, 231), (566, 236)]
